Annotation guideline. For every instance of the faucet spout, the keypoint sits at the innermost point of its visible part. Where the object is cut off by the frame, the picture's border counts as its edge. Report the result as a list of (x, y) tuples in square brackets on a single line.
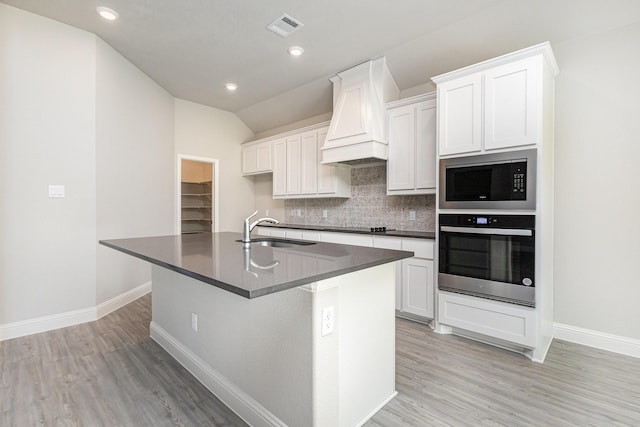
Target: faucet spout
[(249, 226)]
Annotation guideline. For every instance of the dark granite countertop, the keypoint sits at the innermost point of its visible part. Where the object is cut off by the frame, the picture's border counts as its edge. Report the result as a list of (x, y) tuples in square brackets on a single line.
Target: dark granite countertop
[(220, 260), (392, 233)]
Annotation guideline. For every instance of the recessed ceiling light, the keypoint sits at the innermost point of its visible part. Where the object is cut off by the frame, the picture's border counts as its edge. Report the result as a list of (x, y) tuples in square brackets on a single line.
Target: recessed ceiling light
[(107, 13), (231, 86), (296, 51)]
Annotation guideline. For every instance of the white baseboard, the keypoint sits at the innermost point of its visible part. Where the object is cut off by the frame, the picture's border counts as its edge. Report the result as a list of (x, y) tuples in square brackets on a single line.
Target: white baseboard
[(70, 318), (603, 341), (46, 323), (375, 411), (233, 397), (121, 300)]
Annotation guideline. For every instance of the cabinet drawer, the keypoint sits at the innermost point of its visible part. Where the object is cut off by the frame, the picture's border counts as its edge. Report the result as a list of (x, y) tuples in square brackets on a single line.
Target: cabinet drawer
[(492, 318), (348, 239), (387, 242), (422, 248), (314, 236), (294, 234)]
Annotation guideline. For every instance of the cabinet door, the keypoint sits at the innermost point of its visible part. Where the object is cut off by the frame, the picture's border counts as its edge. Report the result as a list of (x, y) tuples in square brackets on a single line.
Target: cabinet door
[(326, 173), (426, 145), (249, 160), (392, 243), (309, 162), (511, 104), (401, 164), (417, 287), (293, 164), (280, 167), (459, 115), (263, 157)]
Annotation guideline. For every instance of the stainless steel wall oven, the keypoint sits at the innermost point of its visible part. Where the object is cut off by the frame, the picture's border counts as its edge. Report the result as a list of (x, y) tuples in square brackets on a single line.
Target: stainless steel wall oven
[(490, 256)]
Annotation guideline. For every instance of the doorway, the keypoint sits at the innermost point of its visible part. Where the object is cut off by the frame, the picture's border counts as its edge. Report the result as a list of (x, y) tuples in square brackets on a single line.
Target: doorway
[(197, 195)]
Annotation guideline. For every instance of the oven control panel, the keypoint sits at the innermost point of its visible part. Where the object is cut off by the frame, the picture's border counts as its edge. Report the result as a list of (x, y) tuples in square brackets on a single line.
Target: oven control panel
[(493, 221)]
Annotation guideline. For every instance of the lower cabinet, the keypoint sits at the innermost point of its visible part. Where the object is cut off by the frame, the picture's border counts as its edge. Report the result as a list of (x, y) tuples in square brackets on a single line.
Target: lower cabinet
[(415, 293), (417, 287), (508, 322)]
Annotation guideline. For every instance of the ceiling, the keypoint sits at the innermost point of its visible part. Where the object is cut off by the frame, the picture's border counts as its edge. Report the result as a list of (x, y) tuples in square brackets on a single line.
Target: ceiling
[(192, 47)]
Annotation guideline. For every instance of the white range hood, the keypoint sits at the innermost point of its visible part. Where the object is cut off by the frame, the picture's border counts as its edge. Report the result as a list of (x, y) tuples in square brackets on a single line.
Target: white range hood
[(357, 133)]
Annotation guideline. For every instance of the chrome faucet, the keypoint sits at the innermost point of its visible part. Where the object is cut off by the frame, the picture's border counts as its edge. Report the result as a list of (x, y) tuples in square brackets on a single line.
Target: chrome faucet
[(248, 227)]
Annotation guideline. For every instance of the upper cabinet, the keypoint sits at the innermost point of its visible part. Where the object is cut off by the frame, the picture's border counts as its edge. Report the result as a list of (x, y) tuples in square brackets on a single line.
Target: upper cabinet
[(297, 172), (497, 104), (411, 168), (256, 158), (295, 160)]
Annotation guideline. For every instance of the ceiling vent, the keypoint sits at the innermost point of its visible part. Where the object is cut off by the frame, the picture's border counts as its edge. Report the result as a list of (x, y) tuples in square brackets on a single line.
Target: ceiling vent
[(285, 25)]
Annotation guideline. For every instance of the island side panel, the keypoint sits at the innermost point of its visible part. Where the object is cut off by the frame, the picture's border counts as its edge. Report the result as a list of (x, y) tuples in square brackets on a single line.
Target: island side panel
[(366, 331), (257, 353)]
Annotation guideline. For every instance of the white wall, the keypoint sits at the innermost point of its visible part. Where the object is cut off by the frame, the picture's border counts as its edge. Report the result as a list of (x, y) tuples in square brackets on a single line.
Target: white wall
[(217, 134), (597, 150), (47, 136), (135, 167), (74, 112)]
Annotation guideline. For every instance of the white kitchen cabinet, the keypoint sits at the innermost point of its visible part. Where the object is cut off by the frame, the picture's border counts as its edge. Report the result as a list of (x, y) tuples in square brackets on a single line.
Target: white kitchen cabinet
[(411, 168), (508, 322), (280, 167), (309, 162), (460, 115), (294, 166), (297, 172), (256, 158), (497, 104), (418, 287), (348, 239), (418, 279), (392, 243), (511, 94), (334, 180), (415, 280)]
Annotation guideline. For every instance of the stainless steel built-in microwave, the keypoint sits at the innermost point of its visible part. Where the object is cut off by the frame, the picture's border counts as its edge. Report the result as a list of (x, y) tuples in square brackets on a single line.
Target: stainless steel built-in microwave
[(489, 181)]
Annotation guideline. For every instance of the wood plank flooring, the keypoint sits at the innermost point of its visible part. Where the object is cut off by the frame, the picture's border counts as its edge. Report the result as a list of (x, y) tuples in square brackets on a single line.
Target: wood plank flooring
[(110, 373)]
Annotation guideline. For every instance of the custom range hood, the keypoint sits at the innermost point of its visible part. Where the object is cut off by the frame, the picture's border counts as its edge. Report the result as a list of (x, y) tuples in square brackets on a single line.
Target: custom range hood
[(357, 132)]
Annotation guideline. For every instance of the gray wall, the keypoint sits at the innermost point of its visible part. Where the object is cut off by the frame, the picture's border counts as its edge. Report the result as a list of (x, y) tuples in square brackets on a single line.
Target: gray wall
[(47, 136), (217, 134), (134, 167), (597, 200), (74, 112)]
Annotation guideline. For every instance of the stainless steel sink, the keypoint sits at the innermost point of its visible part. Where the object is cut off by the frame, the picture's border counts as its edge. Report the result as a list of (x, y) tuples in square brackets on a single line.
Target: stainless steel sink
[(278, 243)]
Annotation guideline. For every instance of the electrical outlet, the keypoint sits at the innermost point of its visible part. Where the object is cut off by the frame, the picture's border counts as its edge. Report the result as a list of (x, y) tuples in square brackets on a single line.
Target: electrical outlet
[(300, 213), (324, 213), (327, 320), (56, 190), (412, 215), (194, 322)]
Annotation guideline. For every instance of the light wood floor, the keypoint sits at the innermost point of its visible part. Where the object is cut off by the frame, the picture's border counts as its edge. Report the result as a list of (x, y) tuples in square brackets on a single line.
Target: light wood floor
[(110, 373)]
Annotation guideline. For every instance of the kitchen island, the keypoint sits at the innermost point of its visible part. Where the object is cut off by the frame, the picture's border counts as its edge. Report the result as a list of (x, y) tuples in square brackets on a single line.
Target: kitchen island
[(291, 334)]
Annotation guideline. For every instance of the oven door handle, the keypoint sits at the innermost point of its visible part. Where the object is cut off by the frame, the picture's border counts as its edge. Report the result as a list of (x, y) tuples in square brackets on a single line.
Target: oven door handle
[(495, 231)]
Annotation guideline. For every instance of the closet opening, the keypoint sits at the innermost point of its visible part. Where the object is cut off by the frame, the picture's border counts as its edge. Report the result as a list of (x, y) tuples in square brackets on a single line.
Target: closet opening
[(197, 201)]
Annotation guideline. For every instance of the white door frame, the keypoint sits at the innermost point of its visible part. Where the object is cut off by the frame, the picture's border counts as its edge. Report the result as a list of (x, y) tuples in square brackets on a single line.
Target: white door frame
[(215, 166)]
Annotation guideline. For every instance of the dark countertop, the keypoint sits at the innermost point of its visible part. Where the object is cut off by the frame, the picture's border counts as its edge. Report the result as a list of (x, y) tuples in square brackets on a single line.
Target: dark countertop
[(218, 259), (393, 233)]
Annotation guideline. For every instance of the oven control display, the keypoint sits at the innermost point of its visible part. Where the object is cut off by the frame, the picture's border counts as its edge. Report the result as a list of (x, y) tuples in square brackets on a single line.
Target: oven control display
[(482, 220)]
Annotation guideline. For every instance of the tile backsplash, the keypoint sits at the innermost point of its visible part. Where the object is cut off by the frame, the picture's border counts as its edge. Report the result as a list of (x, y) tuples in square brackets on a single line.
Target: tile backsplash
[(369, 206)]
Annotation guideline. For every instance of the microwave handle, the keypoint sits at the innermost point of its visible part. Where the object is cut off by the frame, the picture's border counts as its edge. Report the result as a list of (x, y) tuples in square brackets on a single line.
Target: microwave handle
[(496, 231)]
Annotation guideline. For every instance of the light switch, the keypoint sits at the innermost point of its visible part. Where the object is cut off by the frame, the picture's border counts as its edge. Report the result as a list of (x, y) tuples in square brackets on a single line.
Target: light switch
[(56, 190)]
